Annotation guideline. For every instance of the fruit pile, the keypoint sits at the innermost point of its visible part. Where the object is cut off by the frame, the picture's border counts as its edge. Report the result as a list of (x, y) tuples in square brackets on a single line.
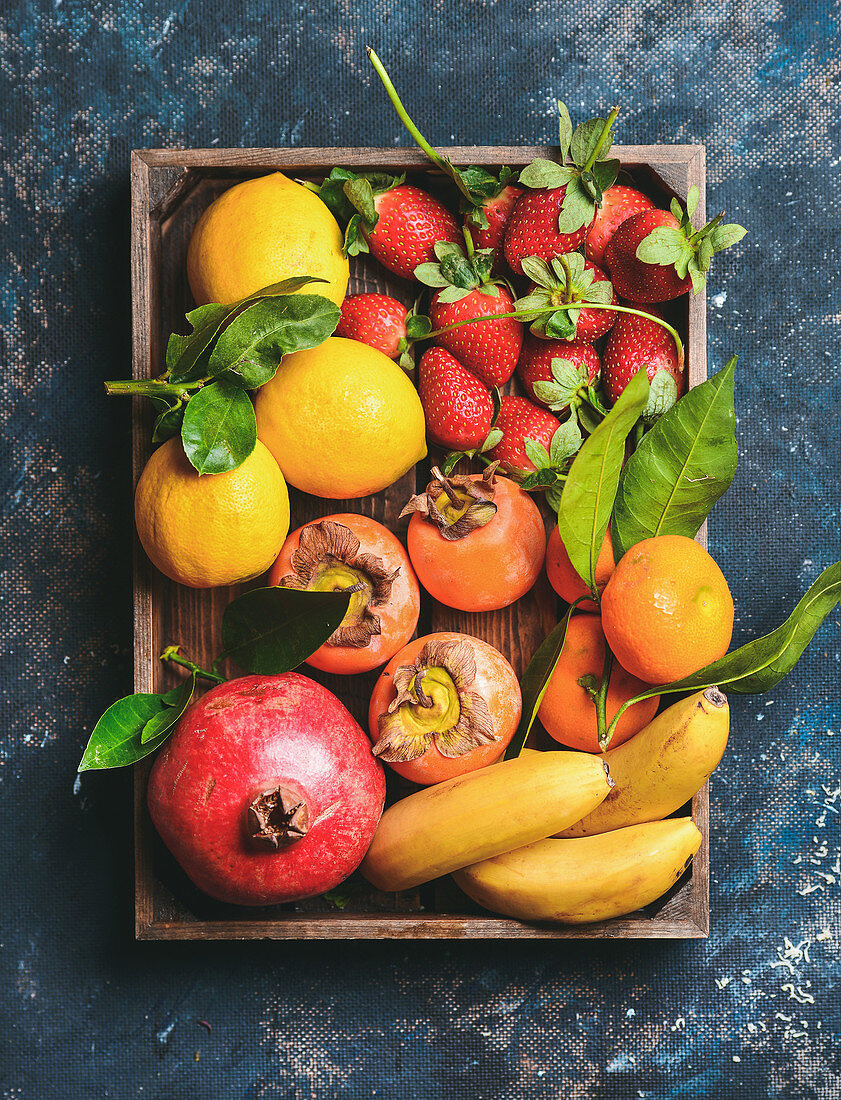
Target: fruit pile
[(549, 282)]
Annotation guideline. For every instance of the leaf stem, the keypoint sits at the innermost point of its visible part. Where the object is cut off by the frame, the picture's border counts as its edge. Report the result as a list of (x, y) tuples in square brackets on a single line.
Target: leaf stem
[(151, 387), (172, 654), (591, 160), (601, 697)]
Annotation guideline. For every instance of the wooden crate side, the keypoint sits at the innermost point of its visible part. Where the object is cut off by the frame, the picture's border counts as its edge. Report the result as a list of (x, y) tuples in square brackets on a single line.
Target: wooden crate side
[(160, 180)]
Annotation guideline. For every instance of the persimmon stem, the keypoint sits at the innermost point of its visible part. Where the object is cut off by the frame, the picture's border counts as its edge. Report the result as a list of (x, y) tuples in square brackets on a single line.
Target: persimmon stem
[(447, 487)]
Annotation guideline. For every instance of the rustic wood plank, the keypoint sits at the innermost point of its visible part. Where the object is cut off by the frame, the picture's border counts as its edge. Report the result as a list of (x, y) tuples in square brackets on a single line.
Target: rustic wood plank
[(169, 190)]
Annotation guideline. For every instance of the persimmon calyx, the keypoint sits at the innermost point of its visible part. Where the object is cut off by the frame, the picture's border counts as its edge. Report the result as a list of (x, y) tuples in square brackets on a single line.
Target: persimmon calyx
[(456, 505), (435, 706), (276, 817), (328, 560)]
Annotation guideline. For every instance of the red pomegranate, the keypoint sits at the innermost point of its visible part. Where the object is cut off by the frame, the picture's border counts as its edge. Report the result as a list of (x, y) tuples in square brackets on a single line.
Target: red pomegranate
[(267, 791)]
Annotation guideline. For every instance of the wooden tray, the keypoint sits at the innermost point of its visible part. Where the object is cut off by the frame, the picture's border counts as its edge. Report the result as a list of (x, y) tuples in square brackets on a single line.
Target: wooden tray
[(170, 188)]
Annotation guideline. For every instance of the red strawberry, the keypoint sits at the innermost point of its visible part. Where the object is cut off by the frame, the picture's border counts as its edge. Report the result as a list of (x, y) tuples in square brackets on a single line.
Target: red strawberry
[(533, 228), (457, 407), (519, 420), (376, 320), (618, 204), (637, 342), (535, 365), (497, 211), (656, 256), (490, 349), (567, 280), (409, 223)]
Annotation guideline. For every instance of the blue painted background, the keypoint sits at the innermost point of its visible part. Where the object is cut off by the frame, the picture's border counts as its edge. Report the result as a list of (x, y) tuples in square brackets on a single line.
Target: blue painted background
[(86, 1012)]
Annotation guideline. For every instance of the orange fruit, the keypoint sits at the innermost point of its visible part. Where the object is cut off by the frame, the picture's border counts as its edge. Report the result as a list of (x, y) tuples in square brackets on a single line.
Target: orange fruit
[(214, 529), (568, 712), (564, 578), (667, 610)]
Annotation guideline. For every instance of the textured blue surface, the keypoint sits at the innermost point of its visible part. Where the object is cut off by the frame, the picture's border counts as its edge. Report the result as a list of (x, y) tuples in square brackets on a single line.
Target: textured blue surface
[(84, 1011)]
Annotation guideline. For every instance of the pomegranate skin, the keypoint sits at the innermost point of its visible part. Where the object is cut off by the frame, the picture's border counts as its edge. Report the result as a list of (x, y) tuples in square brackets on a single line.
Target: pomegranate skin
[(240, 739)]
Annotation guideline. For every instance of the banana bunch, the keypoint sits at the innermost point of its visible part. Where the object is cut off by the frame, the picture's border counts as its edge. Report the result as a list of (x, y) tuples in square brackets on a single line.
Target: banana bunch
[(562, 836)]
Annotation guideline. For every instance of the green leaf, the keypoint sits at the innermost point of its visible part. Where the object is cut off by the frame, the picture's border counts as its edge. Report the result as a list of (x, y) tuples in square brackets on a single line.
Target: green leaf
[(184, 353), (255, 341), (418, 326), (577, 208), (605, 173), (593, 478), (600, 292), (586, 138), (116, 738), (560, 325), (535, 680), (761, 664), (537, 453), (725, 235), (430, 274), (682, 466), (564, 130), (451, 294), (493, 437), (661, 396), (566, 442), (664, 246), (360, 195), (176, 702), (168, 422), (272, 630), (220, 429), (691, 201), (553, 495), (545, 173), (538, 271)]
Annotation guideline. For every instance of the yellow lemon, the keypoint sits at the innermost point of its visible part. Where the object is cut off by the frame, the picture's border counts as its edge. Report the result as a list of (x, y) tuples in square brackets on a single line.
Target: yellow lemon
[(260, 232), (205, 531), (342, 420)]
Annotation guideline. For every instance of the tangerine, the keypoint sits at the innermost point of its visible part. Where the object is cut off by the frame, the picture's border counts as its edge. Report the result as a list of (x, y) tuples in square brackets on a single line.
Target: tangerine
[(563, 577)]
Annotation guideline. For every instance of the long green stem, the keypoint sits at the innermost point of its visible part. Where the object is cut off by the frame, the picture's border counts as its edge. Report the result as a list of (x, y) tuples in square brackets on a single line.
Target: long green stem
[(532, 315), (151, 387), (591, 160), (397, 103), (601, 697), (171, 654)]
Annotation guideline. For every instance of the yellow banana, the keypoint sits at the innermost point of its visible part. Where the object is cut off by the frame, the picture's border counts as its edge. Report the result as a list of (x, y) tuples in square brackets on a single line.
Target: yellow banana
[(587, 879), (663, 766), (481, 814)]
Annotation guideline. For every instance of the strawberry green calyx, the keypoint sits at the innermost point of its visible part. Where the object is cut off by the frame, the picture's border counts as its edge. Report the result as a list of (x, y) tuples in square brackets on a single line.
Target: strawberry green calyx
[(562, 286), (456, 505), (569, 387), (418, 327), (435, 706), (459, 271), (476, 185), (350, 198), (687, 250), (586, 178), (552, 465), (328, 560)]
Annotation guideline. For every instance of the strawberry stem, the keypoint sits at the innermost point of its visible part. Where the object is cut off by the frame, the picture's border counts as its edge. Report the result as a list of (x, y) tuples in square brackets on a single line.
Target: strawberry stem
[(532, 315), (403, 114), (468, 242), (706, 229), (591, 160)]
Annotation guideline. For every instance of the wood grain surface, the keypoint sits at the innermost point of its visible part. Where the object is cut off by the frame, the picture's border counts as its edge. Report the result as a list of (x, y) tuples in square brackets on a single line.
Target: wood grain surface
[(170, 189)]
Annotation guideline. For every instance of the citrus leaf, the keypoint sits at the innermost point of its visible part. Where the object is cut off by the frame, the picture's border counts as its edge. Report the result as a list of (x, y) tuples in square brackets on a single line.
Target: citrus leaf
[(593, 478), (183, 353), (760, 665), (176, 702), (682, 466), (116, 737), (272, 630), (219, 431), (535, 680), (255, 341)]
